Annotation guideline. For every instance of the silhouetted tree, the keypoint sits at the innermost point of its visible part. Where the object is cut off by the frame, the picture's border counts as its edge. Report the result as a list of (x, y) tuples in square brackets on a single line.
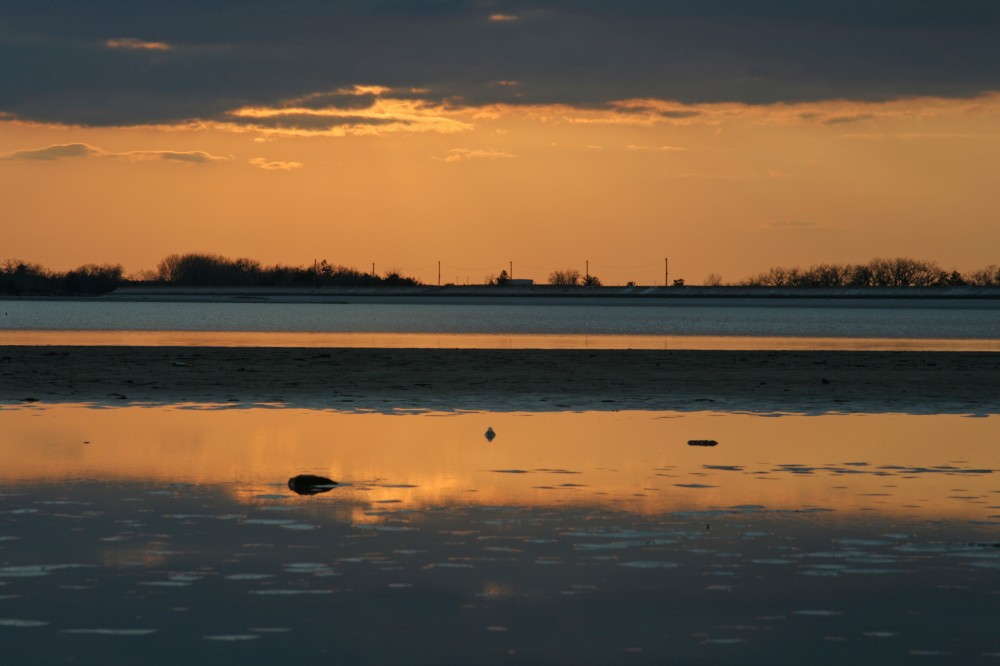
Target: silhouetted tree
[(986, 277), (899, 272), (211, 270), (19, 277), (567, 278), (93, 279), (592, 281)]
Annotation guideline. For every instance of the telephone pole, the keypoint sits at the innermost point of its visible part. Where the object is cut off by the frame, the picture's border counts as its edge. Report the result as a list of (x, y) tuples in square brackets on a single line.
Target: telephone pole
[(587, 262), (666, 272), (510, 273), (373, 269), (439, 273)]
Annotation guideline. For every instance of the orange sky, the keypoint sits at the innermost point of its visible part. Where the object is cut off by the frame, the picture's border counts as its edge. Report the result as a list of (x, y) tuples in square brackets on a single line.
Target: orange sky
[(725, 188)]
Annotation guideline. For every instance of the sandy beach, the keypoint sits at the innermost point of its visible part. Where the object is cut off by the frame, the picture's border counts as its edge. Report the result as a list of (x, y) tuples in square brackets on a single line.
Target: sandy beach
[(810, 382)]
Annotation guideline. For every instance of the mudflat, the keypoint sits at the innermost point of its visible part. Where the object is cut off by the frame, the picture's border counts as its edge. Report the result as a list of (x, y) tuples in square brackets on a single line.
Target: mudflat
[(811, 382)]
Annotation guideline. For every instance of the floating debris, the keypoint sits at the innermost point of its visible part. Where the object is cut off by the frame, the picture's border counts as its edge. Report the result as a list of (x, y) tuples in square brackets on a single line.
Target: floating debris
[(490, 434), (702, 442)]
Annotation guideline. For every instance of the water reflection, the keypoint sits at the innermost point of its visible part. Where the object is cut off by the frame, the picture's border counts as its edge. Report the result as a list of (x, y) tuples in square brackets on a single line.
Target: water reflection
[(931, 466), (735, 342), (170, 535)]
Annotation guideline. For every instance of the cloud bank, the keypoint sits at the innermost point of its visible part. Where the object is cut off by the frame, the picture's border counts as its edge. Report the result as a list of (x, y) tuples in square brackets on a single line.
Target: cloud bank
[(132, 62)]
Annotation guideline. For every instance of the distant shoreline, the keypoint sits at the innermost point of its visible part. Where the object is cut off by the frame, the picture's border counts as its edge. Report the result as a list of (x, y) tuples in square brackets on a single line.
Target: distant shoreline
[(472, 294)]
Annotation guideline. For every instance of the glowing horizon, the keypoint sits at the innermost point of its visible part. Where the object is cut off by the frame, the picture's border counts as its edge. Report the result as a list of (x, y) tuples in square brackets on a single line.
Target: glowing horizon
[(728, 189)]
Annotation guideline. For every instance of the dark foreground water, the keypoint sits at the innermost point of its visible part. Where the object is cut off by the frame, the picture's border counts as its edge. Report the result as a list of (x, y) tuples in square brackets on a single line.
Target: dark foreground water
[(169, 535)]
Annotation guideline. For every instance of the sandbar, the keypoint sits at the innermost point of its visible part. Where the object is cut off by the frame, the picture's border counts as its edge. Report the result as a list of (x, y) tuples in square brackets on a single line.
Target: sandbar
[(393, 380)]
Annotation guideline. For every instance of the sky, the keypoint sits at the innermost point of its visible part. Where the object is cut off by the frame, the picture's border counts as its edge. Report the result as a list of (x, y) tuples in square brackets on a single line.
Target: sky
[(726, 135)]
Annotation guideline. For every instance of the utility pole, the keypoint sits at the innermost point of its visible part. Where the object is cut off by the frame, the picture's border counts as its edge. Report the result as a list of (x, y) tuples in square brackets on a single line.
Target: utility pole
[(373, 269), (510, 273), (439, 273), (587, 262), (666, 272)]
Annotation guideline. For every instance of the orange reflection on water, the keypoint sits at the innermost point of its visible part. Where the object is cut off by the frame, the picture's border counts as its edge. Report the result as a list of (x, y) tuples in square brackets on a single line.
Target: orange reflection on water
[(481, 341), (928, 466)]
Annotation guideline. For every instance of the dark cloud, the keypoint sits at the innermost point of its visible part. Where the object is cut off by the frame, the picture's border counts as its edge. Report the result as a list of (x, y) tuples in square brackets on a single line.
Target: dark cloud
[(219, 55), (334, 100), (853, 118), (679, 115), (310, 122)]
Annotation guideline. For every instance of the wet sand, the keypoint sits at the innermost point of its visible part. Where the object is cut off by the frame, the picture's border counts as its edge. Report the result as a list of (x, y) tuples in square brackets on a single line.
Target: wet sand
[(810, 382)]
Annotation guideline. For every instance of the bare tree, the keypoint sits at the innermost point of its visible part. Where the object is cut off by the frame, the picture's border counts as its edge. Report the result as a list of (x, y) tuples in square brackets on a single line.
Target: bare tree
[(986, 277), (567, 278)]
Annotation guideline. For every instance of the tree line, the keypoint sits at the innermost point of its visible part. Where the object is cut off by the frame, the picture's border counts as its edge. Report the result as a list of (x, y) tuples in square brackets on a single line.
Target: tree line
[(186, 270), (18, 277), (899, 272), (212, 270)]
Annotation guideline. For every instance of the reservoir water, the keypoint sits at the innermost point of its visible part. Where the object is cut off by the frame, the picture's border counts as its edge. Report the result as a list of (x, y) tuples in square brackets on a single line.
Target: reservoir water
[(954, 325)]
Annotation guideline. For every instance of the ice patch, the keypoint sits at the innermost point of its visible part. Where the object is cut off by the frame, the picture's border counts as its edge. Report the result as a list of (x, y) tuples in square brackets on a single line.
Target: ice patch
[(817, 613), (232, 637), (648, 564), (33, 570), (22, 624), (111, 632), (287, 592)]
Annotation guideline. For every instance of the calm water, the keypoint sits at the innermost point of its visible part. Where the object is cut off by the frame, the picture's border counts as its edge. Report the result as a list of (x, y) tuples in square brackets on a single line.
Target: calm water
[(799, 323), (169, 535)]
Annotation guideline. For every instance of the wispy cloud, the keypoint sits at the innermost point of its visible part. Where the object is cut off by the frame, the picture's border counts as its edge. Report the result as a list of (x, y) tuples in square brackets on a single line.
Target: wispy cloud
[(503, 18), (920, 136), (465, 154), (78, 150), (661, 149), (269, 165), (189, 156), (134, 44), (57, 152)]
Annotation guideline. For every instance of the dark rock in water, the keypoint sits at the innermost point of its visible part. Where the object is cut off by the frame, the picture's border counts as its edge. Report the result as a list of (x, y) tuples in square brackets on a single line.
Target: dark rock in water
[(310, 484), (702, 442)]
